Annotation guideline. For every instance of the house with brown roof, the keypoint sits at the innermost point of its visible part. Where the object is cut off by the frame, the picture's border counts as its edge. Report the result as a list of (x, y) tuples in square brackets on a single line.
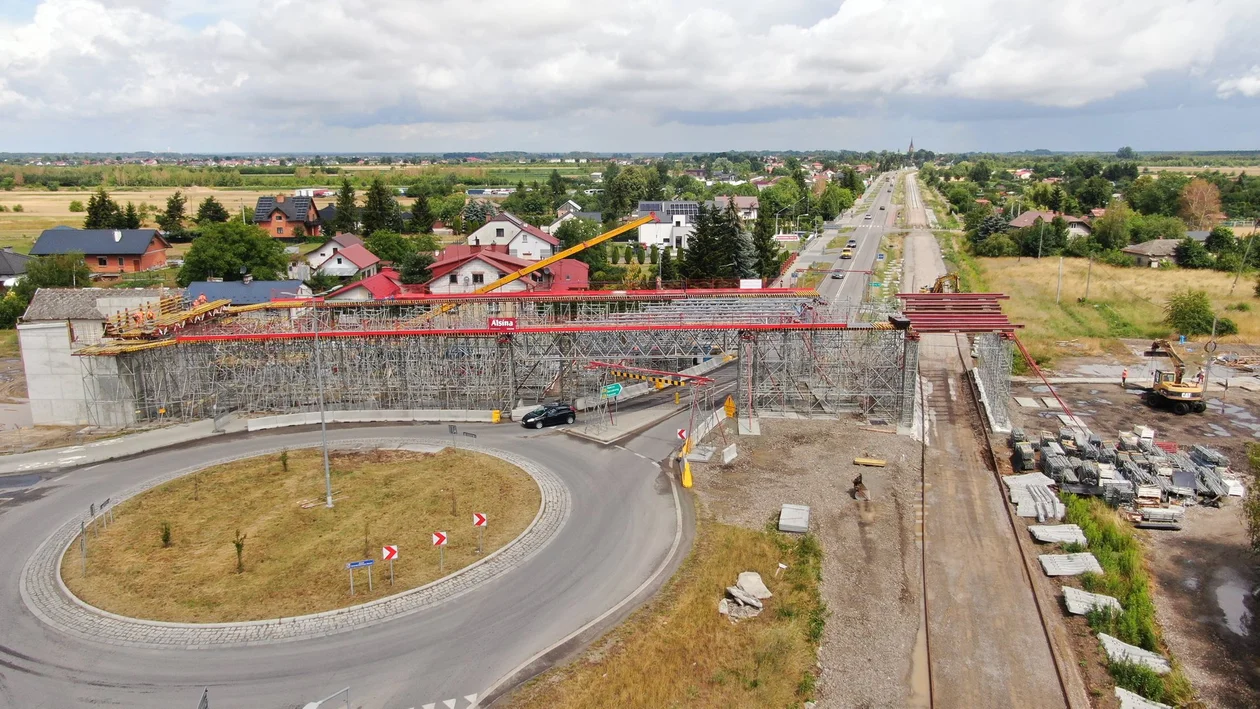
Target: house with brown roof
[(746, 207), (107, 251), (1153, 253), (288, 217), (330, 247), (1076, 225), (522, 239)]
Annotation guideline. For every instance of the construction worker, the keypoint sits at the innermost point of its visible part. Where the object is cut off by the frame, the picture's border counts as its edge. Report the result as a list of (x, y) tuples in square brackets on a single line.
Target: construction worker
[(1124, 377)]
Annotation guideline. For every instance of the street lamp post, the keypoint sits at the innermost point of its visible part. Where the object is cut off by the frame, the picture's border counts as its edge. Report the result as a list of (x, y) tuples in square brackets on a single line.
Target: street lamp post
[(319, 387)]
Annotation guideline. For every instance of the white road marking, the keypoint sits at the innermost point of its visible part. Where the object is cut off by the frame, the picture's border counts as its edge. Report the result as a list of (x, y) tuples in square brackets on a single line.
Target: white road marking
[(450, 703), (471, 699)]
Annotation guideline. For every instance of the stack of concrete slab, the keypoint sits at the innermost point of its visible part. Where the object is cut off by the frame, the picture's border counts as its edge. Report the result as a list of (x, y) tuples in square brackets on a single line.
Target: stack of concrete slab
[(1069, 564), (1132, 700), (1032, 497), (1058, 534), (1120, 651), (1082, 602)]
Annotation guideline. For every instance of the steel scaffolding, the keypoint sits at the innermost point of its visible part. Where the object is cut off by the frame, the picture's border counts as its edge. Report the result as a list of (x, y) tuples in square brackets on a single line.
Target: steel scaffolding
[(824, 372), (993, 369)]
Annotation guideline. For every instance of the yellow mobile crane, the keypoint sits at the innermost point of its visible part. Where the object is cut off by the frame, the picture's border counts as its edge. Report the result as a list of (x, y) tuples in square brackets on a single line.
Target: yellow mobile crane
[(1170, 388)]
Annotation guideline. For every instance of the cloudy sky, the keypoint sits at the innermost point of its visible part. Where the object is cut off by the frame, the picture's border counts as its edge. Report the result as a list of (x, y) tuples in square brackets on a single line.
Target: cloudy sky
[(627, 75)]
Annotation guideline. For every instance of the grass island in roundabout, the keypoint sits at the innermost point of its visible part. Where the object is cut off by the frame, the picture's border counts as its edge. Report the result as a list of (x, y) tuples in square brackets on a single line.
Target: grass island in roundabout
[(170, 553)]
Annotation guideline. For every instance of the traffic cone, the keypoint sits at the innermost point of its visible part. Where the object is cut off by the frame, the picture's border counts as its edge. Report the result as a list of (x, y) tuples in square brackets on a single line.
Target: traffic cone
[(686, 474)]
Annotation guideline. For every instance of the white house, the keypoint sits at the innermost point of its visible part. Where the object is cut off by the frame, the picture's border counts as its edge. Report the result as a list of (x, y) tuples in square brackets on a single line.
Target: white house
[(745, 207), (596, 217), (522, 240), (330, 247), (671, 231), (353, 261)]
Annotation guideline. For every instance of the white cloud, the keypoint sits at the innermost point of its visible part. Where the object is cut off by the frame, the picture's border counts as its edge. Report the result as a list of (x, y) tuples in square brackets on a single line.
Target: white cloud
[(359, 63), (1247, 85)]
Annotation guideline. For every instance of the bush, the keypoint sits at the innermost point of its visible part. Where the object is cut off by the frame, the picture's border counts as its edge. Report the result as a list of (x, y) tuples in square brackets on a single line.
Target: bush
[(77, 206), (1189, 312), (1239, 308), (1114, 257), (18, 208), (1138, 678), (4, 208)]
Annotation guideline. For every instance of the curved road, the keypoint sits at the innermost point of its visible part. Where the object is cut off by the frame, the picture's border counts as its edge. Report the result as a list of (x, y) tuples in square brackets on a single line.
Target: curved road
[(620, 532)]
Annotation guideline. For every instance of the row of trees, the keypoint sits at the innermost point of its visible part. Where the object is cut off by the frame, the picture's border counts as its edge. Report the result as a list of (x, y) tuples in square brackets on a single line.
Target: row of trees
[(102, 212)]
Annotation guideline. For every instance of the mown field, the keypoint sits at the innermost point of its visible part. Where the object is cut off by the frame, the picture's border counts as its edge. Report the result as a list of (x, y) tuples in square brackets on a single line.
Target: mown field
[(1123, 302)]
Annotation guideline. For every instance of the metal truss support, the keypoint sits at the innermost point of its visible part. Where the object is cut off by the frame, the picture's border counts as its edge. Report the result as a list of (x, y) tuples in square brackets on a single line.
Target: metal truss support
[(993, 370)]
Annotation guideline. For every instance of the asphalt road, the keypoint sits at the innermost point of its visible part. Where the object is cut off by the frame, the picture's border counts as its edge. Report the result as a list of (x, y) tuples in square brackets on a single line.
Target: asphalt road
[(618, 537), (867, 233)]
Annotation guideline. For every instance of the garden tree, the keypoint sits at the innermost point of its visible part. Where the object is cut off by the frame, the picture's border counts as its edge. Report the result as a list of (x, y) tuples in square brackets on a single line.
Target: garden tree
[(421, 216), (703, 256), (624, 191), (102, 212), (668, 268), (415, 268), (1093, 192), (997, 245), (768, 258), (1221, 240), (239, 543), (1121, 171), (11, 308), (56, 271), (322, 282), (654, 255), (980, 173), (662, 176), (555, 184), (1189, 312), (1191, 254), (447, 209), (1149, 195), (347, 216), (1200, 203), (1126, 153), (962, 195), (380, 209), (610, 173), (783, 197), (851, 181), (747, 263), (833, 201), (531, 204), (77, 206), (389, 246), (223, 249), (171, 220), (131, 217), (573, 232), (1145, 227), (1112, 230), (211, 210), (1057, 199)]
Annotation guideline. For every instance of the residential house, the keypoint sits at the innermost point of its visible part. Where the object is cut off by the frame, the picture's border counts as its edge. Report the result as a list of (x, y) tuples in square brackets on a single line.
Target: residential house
[(57, 323), (524, 240), (1076, 225), (353, 261), (746, 207), (466, 271), (1023, 174), (674, 226), (384, 285), (1153, 253), (1097, 213), (597, 217), (107, 251), (330, 247), (12, 266), (568, 207), (247, 291), (287, 217)]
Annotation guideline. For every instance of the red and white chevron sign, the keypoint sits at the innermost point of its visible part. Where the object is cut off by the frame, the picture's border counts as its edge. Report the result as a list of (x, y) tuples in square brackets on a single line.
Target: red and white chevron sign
[(439, 539), (389, 553), (479, 520)]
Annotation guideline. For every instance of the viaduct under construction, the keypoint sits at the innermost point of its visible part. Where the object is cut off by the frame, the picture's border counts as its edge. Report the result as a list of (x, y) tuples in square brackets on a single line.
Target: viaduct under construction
[(490, 350), (796, 355)]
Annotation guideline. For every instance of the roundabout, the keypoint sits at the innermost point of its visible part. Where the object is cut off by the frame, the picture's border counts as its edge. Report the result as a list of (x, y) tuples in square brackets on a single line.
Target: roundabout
[(607, 530)]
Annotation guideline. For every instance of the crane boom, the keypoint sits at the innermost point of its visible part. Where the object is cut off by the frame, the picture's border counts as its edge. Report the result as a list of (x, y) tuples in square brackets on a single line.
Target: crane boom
[(577, 248)]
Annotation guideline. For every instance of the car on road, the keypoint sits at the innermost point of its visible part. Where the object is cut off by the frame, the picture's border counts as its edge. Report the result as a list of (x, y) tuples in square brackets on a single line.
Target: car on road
[(881, 207), (847, 253), (549, 415), (838, 276), (867, 217), (852, 244)]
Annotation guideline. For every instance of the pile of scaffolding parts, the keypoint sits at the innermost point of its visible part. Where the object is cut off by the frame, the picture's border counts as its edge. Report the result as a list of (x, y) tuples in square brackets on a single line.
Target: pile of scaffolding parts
[(1152, 480)]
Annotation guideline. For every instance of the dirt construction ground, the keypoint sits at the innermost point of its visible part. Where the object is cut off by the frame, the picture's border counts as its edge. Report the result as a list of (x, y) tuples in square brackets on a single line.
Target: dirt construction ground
[(871, 581), (1203, 575)]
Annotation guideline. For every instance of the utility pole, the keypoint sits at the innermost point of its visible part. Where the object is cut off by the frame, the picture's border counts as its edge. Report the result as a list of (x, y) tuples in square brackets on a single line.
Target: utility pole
[(1058, 292), (1089, 272), (323, 419), (1041, 237)]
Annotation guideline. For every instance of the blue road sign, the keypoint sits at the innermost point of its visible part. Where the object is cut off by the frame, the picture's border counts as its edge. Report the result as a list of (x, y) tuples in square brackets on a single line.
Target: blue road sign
[(876, 284), (879, 257), (360, 564)]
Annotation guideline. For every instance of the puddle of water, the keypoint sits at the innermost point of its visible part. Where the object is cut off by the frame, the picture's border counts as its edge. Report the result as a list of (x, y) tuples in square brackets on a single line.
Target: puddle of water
[(1231, 596), (1040, 389), (920, 686)]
